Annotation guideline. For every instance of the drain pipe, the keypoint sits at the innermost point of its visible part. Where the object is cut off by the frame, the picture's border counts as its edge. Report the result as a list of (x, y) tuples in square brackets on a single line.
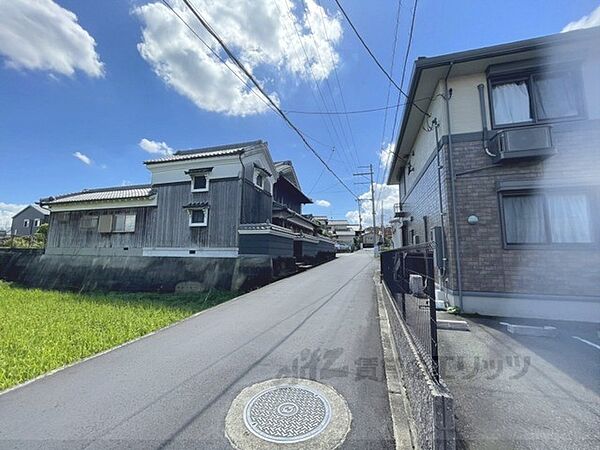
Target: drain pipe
[(243, 181), (486, 148), (436, 126), (453, 190)]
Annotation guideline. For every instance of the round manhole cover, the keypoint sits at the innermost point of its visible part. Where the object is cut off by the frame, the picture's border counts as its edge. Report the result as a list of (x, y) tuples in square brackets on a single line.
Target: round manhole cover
[(291, 412), (287, 413)]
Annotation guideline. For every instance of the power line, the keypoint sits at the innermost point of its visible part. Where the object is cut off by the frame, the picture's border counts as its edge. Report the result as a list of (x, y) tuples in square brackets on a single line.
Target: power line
[(362, 41), (410, 37), (347, 162), (387, 100), (356, 111), (337, 79), (237, 75), (261, 90)]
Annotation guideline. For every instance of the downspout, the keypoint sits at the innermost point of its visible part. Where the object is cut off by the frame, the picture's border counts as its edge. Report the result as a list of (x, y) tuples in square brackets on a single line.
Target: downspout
[(242, 178), (480, 88), (453, 191), (436, 126)]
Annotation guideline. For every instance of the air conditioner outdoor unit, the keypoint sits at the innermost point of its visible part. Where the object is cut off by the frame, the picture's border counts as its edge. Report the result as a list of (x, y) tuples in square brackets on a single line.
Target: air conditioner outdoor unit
[(527, 142)]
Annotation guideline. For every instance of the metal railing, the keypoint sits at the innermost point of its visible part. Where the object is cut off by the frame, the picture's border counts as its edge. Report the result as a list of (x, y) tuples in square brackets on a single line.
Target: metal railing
[(408, 273)]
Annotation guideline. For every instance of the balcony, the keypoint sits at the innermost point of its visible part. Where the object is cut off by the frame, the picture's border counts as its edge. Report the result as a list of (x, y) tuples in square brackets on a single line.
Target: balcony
[(522, 143), (398, 211)]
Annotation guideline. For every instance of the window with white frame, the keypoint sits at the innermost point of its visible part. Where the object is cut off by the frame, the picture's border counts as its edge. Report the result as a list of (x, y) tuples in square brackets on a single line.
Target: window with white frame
[(198, 217), (547, 218), (26, 223), (36, 222), (259, 180), (200, 183), (124, 223)]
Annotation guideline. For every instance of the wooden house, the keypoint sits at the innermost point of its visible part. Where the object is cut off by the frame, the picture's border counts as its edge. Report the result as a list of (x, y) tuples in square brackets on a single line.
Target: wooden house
[(215, 203)]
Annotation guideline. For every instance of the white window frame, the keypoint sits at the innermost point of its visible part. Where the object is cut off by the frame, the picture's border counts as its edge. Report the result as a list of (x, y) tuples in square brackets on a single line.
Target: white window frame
[(257, 174), (198, 224), (205, 175), (26, 223), (37, 223)]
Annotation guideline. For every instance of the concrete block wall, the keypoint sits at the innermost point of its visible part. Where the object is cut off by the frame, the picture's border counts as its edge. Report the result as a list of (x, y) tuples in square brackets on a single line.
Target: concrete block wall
[(134, 273)]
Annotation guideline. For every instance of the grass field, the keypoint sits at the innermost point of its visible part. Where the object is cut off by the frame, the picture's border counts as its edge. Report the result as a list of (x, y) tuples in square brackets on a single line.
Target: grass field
[(43, 330)]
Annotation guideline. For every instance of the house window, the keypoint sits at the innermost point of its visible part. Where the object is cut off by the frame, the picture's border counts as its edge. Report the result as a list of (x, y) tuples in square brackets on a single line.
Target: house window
[(26, 223), (259, 180), (88, 222), (535, 97), (511, 102), (105, 223), (550, 218), (198, 217), (200, 183), (36, 223), (124, 223)]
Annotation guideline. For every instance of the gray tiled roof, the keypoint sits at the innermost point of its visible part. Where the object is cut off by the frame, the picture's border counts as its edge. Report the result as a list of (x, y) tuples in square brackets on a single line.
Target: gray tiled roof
[(93, 195), (38, 208), (207, 152)]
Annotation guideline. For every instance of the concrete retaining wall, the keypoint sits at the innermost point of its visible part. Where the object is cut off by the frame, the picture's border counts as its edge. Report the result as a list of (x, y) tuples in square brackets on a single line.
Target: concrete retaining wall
[(431, 404), (136, 273)]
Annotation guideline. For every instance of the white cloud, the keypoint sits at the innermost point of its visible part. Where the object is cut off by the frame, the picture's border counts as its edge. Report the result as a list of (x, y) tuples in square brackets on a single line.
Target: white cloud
[(271, 39), (155, 147), (591, 20), (41, 35), (323, 203), (7, 211), (385, 156), (83, 158), (384, 193)]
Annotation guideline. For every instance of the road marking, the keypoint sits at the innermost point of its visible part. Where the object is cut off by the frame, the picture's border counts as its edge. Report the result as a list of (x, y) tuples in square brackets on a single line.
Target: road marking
[(586, 342)]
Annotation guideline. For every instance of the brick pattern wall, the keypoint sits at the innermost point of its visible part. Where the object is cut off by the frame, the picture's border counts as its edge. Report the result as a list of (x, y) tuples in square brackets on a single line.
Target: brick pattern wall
[(423, 200), (486, 265)]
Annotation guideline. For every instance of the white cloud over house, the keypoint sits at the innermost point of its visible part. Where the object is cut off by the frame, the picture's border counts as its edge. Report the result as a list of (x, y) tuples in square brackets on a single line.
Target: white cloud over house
[(588, 21), (155, 147), (385, 196), (385, 156), (323, 203), (272, 39), (83, 158), (7, 211), (41, 35)]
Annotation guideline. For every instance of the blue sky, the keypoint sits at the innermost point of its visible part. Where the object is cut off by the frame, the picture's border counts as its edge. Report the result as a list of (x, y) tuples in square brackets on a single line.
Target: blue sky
[(95, 85)]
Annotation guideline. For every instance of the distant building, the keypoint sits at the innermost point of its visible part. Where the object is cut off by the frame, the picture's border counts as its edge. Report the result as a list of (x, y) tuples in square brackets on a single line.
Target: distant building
[(342, 231), (27, 221)]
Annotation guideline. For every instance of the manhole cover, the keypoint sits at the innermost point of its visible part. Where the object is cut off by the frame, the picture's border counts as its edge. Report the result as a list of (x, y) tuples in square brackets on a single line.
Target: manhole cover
[(287, 414), (291, 412)]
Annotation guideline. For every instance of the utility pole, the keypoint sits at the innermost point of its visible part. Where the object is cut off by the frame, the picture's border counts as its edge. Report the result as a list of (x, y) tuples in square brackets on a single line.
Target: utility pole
[(359, 201), (364, 174), (382, 229)]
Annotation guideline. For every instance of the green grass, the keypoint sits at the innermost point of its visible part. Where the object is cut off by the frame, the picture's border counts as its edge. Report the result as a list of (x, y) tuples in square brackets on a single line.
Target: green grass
[(42, 330)]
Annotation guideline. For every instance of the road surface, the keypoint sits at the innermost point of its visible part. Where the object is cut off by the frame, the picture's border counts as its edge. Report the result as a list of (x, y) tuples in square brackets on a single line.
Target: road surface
[(173, 389)]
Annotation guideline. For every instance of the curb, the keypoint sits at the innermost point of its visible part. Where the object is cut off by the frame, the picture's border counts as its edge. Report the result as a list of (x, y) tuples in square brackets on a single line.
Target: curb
[(402, 420)]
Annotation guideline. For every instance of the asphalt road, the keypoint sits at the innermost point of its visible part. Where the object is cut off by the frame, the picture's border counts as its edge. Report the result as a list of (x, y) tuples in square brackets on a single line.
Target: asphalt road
[(173, 389), (522, 392)]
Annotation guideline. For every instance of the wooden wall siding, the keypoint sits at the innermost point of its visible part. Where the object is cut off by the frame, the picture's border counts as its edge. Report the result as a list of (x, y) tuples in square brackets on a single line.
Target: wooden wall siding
[(257, 205), (68, 234), (169, 222)]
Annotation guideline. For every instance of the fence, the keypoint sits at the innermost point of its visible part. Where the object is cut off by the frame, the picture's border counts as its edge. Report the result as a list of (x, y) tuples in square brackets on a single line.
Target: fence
[(408, 273)]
